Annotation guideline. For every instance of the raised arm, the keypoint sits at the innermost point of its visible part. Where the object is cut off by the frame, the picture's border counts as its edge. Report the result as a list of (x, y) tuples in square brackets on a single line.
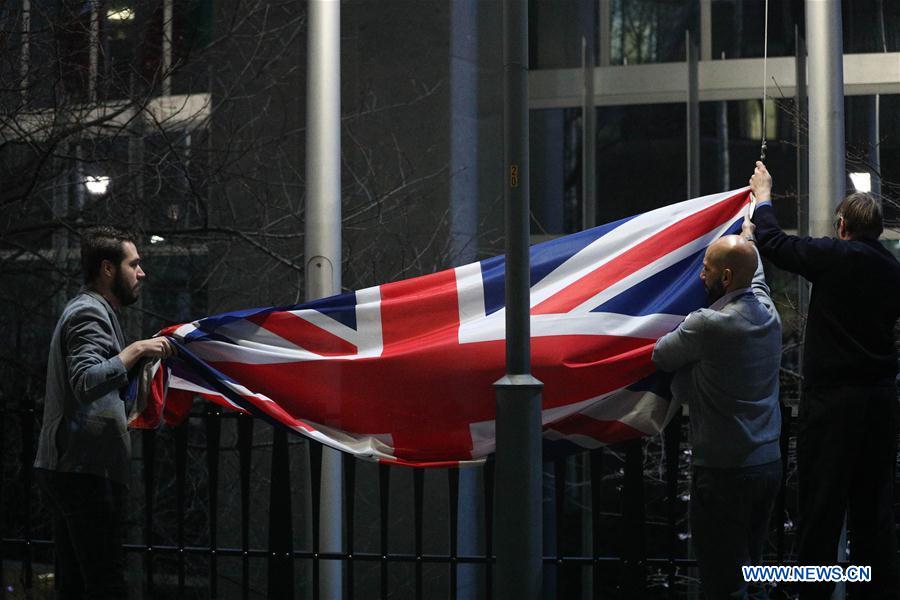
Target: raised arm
[(806, 256)]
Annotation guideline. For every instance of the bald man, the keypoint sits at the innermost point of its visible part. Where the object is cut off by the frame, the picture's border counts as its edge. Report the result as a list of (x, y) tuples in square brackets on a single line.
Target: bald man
[(726, 360)]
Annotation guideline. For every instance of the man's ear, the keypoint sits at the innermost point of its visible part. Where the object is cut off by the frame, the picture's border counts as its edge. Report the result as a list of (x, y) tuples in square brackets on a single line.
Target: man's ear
[(727, 277), (842, 229), (107, 268)]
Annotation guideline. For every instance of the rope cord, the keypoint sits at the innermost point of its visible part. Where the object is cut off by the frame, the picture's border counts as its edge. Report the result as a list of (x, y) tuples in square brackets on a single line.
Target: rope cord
[(762, 149)]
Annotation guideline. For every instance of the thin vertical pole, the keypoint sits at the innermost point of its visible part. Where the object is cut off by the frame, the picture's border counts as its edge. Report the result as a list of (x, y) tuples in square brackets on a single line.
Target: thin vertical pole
[(588, 140), (27, 424), (213, 435), (3, 411), (167, 37), (518, 394), (705, 29), (874, 142), (801, 124), (180, 470), (94, 51), (634, 555), (827, 170), (559, 489), (596, 515), (350, 489), (604, 29), (453, 492), (281, 566), (323, 237), (384, 505), (418, 509), (148, 446), (722, 143), (315, 450), (245, 449), (781, 501), (488, 472), (672, 445), (693, 118), (25, 56)]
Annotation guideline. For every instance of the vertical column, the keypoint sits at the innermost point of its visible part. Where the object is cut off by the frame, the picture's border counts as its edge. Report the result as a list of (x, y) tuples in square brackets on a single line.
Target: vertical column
[(464, 157), (323, 237), (588, 140), (464, 193), (826, 112), (518, 394), (167, 36), (693, 118)]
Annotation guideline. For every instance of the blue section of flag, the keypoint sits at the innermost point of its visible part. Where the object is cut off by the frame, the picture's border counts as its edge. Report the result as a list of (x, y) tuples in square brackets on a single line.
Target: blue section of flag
[(676, 290), (341, 308), (544, 259)]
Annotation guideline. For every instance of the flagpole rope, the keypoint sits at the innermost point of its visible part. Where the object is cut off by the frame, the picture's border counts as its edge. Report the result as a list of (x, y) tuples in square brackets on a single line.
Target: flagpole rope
[(762, 149)]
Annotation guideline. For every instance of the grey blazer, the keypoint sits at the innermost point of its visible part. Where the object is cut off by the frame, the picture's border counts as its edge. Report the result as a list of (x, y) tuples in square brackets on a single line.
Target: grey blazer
[(84, 428), (726, 360)]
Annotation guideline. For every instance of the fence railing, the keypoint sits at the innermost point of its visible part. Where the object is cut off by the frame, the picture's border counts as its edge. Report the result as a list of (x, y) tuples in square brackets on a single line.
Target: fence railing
[(252, 532)]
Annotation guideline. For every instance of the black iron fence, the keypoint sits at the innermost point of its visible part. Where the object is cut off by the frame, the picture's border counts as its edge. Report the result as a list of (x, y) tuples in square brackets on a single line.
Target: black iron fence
[(226, 507)]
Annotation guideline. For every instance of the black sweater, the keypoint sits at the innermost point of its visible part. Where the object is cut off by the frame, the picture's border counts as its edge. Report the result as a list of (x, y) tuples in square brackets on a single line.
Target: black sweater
[(854, 305)]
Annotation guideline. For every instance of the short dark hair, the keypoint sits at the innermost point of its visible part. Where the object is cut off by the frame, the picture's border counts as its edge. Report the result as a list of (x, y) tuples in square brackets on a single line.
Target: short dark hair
[(862, 215), (99, 244)]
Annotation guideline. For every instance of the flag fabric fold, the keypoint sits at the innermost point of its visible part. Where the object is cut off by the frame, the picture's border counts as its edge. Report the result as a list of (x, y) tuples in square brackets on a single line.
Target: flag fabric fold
[(403, 372)]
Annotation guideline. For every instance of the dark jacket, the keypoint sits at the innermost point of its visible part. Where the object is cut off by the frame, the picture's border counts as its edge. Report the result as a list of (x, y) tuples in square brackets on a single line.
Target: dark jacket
[(854, 305), (84, 428)]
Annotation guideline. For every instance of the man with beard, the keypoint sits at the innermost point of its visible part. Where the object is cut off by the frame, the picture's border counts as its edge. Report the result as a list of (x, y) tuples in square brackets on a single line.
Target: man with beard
[(726, 360), (84, 449)]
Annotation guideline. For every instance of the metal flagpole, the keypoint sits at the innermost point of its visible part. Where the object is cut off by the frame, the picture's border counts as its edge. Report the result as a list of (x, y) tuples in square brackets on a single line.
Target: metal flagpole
[(518, 394), (323, 237), (826, 113), (693, 117), (827, 171)]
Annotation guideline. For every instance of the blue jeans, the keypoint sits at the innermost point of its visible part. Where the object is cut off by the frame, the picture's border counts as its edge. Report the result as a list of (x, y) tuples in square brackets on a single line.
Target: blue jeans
[(87, 530), (730, 510)]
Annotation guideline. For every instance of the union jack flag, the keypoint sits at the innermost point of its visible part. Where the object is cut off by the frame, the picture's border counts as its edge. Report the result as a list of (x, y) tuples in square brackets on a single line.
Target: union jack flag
[(403, 372)]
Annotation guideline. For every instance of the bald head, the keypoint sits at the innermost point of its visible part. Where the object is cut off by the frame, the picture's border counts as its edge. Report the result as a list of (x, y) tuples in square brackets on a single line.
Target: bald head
[(729, 265)]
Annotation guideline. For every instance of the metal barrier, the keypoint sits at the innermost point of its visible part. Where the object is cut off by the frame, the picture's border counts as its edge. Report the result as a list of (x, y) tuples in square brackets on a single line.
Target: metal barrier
[(635, 572)]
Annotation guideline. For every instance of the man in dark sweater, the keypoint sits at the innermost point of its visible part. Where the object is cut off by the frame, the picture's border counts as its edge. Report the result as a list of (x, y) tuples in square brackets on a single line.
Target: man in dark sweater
[(847, 438)]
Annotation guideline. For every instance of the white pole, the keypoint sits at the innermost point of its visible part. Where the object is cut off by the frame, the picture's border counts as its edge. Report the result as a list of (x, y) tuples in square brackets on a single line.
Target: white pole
[(168, 34), (826, 113), (323, 237)]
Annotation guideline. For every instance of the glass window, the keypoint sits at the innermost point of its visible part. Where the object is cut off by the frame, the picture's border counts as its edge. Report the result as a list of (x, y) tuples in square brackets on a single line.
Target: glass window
[(650, 31), (556, 173), (871, 26), (556, 29), (738, 28)]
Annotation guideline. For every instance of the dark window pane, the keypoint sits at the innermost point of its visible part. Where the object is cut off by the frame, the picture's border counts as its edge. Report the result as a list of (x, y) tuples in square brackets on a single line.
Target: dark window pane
[(556, 30), (738, 28), (650, 31), (871, 26)]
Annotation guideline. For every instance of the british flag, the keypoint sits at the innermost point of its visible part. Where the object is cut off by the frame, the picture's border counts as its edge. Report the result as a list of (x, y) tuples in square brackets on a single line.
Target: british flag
[(403, 372)]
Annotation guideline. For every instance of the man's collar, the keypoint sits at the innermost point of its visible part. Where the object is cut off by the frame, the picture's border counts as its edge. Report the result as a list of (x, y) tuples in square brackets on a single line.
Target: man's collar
[(721, 302), (96, 294)]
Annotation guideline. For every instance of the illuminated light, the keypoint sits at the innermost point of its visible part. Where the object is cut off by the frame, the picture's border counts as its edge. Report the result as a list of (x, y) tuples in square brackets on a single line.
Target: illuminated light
[(862, 182), (155, 239), (96, 185), (120, 14)]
